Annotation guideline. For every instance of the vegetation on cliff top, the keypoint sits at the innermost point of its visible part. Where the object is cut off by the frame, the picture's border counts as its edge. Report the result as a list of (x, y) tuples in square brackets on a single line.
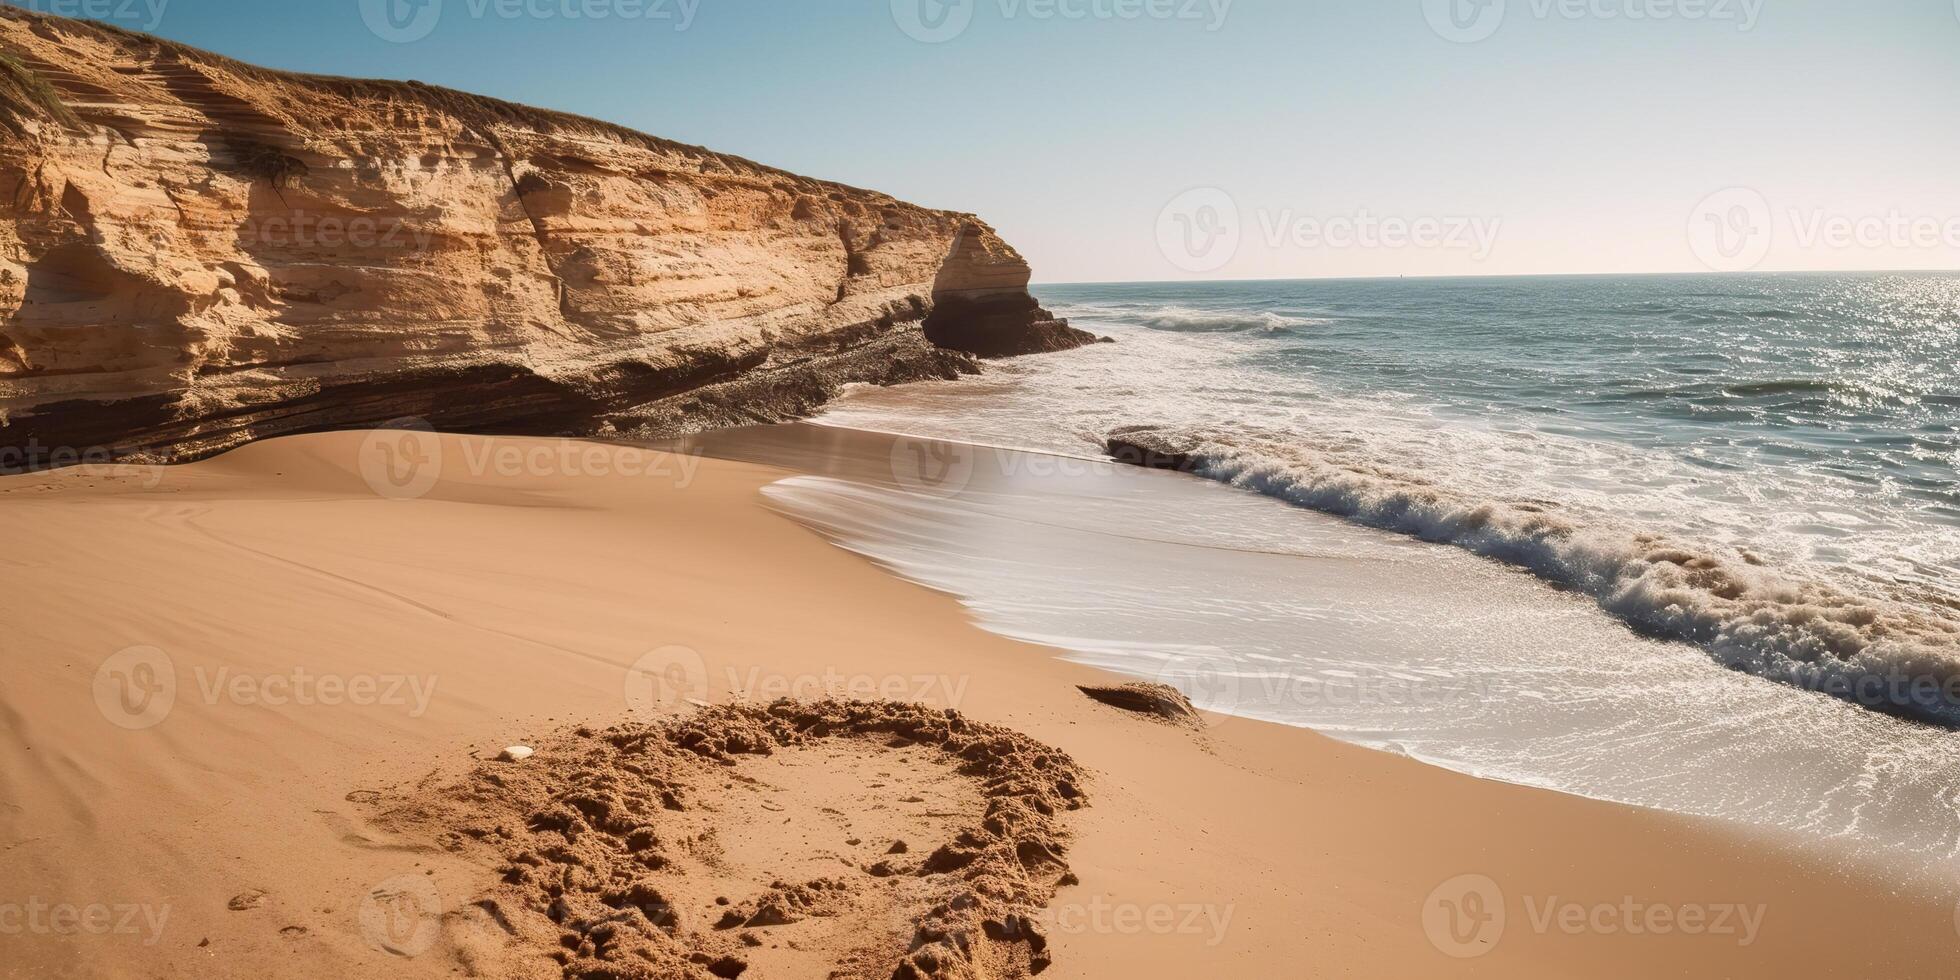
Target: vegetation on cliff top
[(25, 95), (479, 112)]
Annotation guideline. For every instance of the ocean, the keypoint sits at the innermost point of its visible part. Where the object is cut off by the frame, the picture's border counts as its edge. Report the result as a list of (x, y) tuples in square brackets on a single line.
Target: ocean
[(1690, 542)]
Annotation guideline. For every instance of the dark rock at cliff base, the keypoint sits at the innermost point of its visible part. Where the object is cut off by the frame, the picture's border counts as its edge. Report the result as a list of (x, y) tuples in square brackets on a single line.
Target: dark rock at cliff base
[(1153, 450), (1007, 326), (981, 304), (797, 389)]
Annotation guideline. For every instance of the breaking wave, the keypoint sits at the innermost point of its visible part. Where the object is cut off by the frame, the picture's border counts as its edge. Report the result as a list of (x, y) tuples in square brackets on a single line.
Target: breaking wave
[(1184, 319), (1889, 655)]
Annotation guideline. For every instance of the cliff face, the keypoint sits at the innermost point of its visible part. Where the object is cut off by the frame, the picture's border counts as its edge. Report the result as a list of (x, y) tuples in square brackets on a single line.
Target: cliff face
[(195, 253)]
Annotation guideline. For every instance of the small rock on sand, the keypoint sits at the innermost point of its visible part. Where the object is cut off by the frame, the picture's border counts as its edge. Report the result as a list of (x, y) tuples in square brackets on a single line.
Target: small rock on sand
[(516, 753), (1157, 700)]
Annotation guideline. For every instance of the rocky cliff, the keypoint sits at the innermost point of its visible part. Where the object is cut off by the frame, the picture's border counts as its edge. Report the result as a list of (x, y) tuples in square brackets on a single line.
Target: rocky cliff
[(195, 253)]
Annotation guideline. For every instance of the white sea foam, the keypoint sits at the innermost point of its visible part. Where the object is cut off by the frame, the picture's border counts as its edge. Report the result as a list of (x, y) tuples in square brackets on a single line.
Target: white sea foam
[(1185, 319), (1773, 485), (1308, 619), (1762, 467), (1876, 652)]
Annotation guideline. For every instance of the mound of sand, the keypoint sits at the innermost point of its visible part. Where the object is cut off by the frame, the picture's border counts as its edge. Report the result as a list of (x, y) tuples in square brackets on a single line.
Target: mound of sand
[(1157, 700), (831, 839)]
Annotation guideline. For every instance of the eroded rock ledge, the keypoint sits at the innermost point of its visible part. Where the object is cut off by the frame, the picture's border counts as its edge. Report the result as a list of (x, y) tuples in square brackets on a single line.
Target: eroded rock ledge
[(195, 253)]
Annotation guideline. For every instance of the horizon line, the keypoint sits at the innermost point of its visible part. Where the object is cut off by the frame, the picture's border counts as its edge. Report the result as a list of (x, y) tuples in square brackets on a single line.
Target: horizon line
[(1516, 275)]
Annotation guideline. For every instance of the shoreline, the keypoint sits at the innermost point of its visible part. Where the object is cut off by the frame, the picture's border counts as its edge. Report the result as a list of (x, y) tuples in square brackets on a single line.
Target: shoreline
[(1262, 609), (525, 602)]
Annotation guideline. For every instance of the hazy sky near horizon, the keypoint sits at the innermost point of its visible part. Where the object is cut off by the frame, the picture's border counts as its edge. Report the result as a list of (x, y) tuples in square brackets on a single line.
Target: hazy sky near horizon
[(1183, 139)]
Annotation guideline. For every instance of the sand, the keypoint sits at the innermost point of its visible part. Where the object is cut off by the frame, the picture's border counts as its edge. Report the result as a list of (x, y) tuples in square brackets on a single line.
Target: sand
[(845, 839), (237, 691)]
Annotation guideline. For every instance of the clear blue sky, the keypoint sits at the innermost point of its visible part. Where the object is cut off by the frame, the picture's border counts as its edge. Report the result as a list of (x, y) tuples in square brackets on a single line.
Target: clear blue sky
[(1582, 142)]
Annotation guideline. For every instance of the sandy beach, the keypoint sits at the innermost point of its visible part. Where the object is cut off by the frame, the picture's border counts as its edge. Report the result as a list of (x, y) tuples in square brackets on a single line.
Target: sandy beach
[(587, 491), (228, 678)]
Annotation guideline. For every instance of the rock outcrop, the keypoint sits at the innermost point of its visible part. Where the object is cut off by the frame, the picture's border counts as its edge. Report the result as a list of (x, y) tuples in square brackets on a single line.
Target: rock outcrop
[(981, 303), (195, 253), (1153, 449)]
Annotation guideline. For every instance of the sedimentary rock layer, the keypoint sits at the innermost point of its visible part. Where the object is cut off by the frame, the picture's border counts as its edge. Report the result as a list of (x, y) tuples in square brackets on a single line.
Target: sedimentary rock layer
[(195, 252)]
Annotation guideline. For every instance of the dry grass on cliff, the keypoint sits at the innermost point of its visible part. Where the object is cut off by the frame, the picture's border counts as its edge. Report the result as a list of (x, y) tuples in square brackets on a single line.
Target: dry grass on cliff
[(25, 95)]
